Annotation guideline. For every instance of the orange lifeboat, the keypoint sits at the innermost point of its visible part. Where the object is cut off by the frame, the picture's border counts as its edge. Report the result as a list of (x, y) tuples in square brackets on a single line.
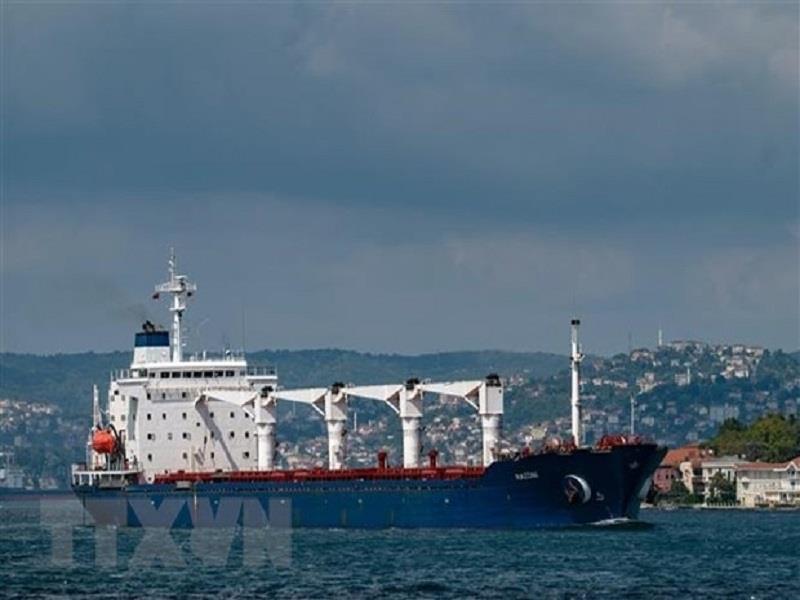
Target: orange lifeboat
[(104, 442)]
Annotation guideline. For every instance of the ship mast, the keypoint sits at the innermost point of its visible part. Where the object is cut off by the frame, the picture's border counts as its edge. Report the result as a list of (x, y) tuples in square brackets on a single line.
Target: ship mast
[(575, 361), (181, 289)]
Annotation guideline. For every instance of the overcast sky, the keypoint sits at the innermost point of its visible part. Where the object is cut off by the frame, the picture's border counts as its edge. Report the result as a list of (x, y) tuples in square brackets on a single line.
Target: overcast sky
[(402, 178)]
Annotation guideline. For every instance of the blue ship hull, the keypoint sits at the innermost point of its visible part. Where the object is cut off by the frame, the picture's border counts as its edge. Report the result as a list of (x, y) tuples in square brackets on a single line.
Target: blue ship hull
[(542, 490)]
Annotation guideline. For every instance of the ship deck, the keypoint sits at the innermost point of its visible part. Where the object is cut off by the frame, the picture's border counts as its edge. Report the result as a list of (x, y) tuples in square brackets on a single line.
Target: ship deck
[(301, 475)]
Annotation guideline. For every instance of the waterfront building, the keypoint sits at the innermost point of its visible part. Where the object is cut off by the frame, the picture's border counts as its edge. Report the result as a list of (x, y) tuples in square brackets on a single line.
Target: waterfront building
[(669, 470), (768, 484)]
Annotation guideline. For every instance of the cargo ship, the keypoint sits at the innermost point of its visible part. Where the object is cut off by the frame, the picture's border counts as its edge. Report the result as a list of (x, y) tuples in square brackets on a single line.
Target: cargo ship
[(190, 441)]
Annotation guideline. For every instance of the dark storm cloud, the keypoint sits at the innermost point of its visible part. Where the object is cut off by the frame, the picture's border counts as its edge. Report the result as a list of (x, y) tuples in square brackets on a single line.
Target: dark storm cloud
[(344, 165)]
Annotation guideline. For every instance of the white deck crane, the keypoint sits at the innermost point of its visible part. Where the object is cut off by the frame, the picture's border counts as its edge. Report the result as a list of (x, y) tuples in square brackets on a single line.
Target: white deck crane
[(330, 403), (487, 398), (406, 401)]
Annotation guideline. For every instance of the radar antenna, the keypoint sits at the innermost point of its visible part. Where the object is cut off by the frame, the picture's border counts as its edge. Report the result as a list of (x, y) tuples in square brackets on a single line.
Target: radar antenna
[(181, 290)]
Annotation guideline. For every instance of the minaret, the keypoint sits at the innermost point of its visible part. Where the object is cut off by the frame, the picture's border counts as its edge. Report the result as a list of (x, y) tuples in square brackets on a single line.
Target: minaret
[(575, 360), (181, 289)]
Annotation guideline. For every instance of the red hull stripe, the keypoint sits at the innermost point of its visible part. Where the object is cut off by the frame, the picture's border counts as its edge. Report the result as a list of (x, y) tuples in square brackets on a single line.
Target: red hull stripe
[(296, 475)]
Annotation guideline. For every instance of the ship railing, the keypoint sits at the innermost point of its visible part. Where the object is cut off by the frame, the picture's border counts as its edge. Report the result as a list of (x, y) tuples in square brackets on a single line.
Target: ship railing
[(227, 356), (195, 373), (85, 476)]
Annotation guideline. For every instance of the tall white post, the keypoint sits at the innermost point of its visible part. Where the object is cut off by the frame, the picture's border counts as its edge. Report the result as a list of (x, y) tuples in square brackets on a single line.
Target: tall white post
[(96, 416), (177, 344), (490, 407), (410, 442), (575, 359), (335, 421), (265, 418), (490, 424), (335, 444), (410, 410)]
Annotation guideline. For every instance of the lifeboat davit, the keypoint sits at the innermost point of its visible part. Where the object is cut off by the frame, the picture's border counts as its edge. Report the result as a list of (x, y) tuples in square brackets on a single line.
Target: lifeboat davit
[(104, 442)]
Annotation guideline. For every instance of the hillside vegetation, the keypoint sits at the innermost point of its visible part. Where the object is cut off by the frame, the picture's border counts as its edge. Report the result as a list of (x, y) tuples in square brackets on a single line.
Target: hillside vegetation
[(771, 438)]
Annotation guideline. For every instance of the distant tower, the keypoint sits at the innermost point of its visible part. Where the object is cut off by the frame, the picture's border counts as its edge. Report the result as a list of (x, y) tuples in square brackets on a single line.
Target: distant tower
[(575, 360), (181, 289), (660, 337), (633, 415)]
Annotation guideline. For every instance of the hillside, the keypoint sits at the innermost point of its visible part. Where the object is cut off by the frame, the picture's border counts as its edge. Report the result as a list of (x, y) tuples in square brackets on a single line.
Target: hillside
[(683, 392)]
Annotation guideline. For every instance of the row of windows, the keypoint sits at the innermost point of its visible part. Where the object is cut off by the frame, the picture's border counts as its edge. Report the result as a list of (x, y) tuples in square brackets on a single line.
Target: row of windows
[(184, 416), (185, 456), (164, 395), (197, 374), (187, 436)]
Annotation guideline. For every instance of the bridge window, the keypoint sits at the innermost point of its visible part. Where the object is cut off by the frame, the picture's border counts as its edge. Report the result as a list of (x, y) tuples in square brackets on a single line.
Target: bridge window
[(164, 375), (229, 373), (151, 436), (208, 374), (217, 373), (197, 374), (149, 458)]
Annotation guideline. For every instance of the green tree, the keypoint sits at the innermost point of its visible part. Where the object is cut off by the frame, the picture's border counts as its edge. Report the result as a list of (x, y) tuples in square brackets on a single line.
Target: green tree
[(721, 490), (771, 438)]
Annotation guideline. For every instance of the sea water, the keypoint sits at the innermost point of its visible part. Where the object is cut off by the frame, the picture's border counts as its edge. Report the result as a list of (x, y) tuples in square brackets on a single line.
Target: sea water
[(669, 554)]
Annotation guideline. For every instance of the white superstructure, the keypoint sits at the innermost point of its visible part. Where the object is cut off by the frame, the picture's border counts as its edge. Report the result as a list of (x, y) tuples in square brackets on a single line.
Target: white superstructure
[(173, 413), (169, 413)]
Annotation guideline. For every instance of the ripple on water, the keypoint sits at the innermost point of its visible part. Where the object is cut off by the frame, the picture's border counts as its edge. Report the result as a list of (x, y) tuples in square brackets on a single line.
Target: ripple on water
[(675, 554)]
